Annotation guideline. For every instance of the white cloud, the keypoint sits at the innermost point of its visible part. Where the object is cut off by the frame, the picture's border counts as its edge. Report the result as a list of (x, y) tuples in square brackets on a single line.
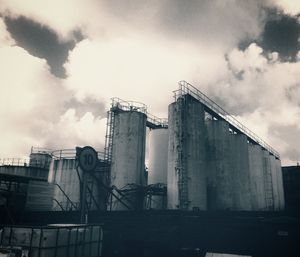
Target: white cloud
[(138, 69), (265, 97), (291, 7)]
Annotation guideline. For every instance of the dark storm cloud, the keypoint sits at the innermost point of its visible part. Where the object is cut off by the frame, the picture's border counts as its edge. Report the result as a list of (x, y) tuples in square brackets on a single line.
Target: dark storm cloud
[(281, 34), (41, 42)]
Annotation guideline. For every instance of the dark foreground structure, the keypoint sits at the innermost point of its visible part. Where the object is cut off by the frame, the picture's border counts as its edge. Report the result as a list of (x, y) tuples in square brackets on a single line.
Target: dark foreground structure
[(186, 233)]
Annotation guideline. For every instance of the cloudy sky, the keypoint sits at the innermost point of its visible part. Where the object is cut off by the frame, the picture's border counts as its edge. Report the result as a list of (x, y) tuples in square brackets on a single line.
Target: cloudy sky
[(62, 61)]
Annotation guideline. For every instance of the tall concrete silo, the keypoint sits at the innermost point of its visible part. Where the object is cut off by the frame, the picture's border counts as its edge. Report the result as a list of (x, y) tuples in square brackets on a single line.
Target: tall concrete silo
[(186, 155), (274, 182), (257, 187), (280, 184), (241, 176), (268, 181), (128, 154), (158, 163), (220, 171)]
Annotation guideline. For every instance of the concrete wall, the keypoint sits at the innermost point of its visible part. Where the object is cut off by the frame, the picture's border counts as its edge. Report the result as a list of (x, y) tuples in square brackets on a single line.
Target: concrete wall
[(220, 171), (241, 176), (186, 155), (128, 152), (257, 187)]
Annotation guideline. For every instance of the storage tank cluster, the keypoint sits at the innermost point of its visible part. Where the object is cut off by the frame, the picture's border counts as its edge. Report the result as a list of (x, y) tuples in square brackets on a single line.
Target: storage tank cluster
[(204, 163)]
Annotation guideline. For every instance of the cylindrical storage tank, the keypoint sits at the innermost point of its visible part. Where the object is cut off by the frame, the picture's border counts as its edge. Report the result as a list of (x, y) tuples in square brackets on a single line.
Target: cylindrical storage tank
[(128, 155), (241, 176), (280, 184), (274, 182), (66, 193), (257, 187), (64, 176), (220, 171), (269, 197), (40, 160), (158, 163), (186, 155)]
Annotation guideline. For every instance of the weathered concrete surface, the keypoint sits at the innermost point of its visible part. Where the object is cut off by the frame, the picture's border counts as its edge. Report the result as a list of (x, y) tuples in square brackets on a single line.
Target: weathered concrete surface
[(257, 187), (280, 184), (241, 176), (268, 181), (186, 155), (274, 182), (128, 152), (219, 171)]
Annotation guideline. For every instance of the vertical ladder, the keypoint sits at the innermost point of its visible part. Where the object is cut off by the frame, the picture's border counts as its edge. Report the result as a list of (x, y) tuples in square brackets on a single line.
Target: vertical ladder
[(109, 136), (181, 158), (269, 197)]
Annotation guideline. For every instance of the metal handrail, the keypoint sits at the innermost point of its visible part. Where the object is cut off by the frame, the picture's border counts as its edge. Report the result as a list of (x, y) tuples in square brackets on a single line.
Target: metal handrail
[(187, 88), (70, 154), (118, 103), (14, 162)]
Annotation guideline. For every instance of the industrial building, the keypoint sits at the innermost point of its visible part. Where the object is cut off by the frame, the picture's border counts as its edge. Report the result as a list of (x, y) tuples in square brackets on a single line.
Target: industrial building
[(207, 174)]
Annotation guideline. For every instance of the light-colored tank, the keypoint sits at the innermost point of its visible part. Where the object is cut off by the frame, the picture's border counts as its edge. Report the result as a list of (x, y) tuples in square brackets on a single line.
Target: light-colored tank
[(128, 153), (158, 163), (186, 155), (241, 176), (280, 184), (274, 182), (158, 156), (220, 171), (269, 197), (257, 187), (63, 175), (40, 160)]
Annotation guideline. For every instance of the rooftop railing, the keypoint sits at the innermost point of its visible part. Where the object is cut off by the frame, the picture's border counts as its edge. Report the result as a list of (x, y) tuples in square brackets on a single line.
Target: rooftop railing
[(118, 103), (186, 88)]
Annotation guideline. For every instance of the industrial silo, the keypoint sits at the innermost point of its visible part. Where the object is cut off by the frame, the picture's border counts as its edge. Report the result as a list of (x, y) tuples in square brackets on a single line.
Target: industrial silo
[(220, 169), (280, 184), (39, 158), (269, 197), (257, 187), (274, 175), (240, 177), (158, 165), (128, 157), (66, 178), (186, 155)]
